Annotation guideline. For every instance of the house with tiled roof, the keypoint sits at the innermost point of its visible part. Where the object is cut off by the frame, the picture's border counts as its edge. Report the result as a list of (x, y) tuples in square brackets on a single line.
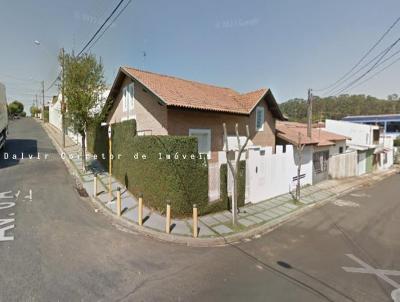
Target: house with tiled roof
[(322, 144), (167, 105)]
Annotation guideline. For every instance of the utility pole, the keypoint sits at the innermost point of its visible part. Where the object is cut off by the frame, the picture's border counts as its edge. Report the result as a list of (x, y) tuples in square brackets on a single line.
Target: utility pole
[(62, 99), (309, 114), (43, 101)]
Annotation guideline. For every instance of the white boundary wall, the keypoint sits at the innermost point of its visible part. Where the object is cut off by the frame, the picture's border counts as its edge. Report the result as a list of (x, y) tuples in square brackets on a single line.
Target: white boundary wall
[(269, 175), (55, 113), (343, 165)]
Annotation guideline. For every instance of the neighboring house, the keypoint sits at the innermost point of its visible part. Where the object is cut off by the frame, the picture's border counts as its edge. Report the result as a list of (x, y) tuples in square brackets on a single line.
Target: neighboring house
[(55, 112), (390, 123), (373, 148), (322, 145), (55, 116), (166, 105)]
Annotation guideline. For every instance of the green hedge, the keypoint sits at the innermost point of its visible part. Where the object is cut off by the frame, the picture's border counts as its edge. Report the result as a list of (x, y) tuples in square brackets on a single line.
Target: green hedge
[(97, 143), (396, 142), (182, 181), (46, 115), (242, 184)]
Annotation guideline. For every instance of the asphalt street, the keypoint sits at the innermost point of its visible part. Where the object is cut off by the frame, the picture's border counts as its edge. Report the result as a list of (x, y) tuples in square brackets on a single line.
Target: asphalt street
[(54, 246)]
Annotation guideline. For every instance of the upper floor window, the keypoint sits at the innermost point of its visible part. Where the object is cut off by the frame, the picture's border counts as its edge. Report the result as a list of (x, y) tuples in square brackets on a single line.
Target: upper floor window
[(260, 118), (128, 96)]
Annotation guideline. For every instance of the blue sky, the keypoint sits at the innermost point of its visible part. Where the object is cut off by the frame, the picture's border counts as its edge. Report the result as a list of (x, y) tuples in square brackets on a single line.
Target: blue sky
[(286, 45)]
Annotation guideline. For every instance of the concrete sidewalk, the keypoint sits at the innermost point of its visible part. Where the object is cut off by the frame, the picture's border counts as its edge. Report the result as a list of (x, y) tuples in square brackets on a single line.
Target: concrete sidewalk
[(214, 229)]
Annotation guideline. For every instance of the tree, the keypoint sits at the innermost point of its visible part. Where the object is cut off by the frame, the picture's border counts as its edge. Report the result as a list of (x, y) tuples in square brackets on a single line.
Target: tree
[(15, 108), (299, 148), (84, 79), (393, 97), (235, 169), (34, 110)]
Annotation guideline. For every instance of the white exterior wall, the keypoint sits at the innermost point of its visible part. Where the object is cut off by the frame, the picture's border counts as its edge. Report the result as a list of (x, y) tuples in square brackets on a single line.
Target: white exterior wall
[(334, 150), (55, 117), (269, 175), (360, 134), (343, 165), (387, 159)]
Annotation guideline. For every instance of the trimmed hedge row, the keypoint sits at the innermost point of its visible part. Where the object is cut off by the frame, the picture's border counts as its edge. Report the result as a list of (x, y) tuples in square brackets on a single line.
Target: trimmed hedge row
[(161, 167), (242, 184), (396, 142)]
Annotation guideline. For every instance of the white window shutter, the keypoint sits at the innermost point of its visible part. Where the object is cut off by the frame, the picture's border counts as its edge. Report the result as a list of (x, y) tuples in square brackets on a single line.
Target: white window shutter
[(124, 100), (260, 118)]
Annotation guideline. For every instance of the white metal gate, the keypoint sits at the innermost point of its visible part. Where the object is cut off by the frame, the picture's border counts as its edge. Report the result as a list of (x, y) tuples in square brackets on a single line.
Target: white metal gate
[(213, 181), (362, 163)]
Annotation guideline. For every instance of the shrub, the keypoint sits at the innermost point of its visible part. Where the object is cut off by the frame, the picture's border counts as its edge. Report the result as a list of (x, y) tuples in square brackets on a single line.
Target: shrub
[(396, 142), (46, 115), (242, 184), (182, 181)]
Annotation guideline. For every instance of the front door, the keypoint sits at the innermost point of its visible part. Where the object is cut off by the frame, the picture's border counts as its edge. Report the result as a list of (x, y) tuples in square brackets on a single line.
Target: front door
[(362, 163), (320, 163)]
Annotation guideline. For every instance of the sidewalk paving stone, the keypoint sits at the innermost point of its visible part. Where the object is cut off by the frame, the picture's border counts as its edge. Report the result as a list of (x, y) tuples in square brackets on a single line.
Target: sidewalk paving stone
[(255, 219), (221, 218), (180, 227), (223, 229), (209, 220), (246, 222), (204, 231), (132, 214), (155, 221), (263, 216)]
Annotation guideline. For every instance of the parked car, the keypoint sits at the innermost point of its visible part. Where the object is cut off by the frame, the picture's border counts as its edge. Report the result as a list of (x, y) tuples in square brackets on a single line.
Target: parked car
[(3, 116)]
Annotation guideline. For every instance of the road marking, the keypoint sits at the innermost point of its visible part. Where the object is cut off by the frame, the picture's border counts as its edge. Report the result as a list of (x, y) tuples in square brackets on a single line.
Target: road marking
[(3, 230), (5, 195), (396, 295), (368, 269)]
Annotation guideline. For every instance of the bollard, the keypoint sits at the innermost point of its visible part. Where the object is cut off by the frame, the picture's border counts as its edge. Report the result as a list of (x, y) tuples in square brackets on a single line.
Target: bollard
[(168, 219), (195, 222), (140, 209), (95, 185), (119, 201)]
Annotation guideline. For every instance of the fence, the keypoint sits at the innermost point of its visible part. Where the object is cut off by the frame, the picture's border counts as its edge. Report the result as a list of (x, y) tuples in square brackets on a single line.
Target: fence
[(269, 175), (343, 165)]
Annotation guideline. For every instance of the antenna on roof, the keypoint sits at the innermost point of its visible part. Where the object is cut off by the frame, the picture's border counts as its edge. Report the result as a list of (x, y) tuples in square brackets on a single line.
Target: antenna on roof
[(144, 58)]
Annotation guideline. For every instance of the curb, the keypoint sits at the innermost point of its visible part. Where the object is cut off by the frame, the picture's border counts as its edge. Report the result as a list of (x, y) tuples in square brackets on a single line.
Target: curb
[(206, 242)]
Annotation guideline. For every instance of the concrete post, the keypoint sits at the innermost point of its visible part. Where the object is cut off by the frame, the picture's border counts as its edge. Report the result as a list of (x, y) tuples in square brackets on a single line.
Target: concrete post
[(140, 209), (119, 201), (95, 185), (195, 221), (168, 219)]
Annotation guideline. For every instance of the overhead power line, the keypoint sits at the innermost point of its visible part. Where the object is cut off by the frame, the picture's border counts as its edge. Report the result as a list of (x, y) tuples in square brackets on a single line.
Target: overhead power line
[(374, 66), (379, 71), (95, 35), (345, 76), (101, 27), (110, 24)]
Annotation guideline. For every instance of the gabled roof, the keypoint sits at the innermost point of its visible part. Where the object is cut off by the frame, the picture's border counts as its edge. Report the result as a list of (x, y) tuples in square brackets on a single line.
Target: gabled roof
[(289, 131), (176, 92)]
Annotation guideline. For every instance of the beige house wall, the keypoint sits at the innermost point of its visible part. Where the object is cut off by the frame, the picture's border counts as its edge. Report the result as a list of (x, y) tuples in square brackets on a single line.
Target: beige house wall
[(181, 120), (154, 118), (148, 112)]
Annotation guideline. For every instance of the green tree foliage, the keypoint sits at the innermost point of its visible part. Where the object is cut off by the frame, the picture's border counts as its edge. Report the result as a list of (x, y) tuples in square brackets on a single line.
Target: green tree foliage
[(34, 110), (83, 81), (339, 107), (15, 108)]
